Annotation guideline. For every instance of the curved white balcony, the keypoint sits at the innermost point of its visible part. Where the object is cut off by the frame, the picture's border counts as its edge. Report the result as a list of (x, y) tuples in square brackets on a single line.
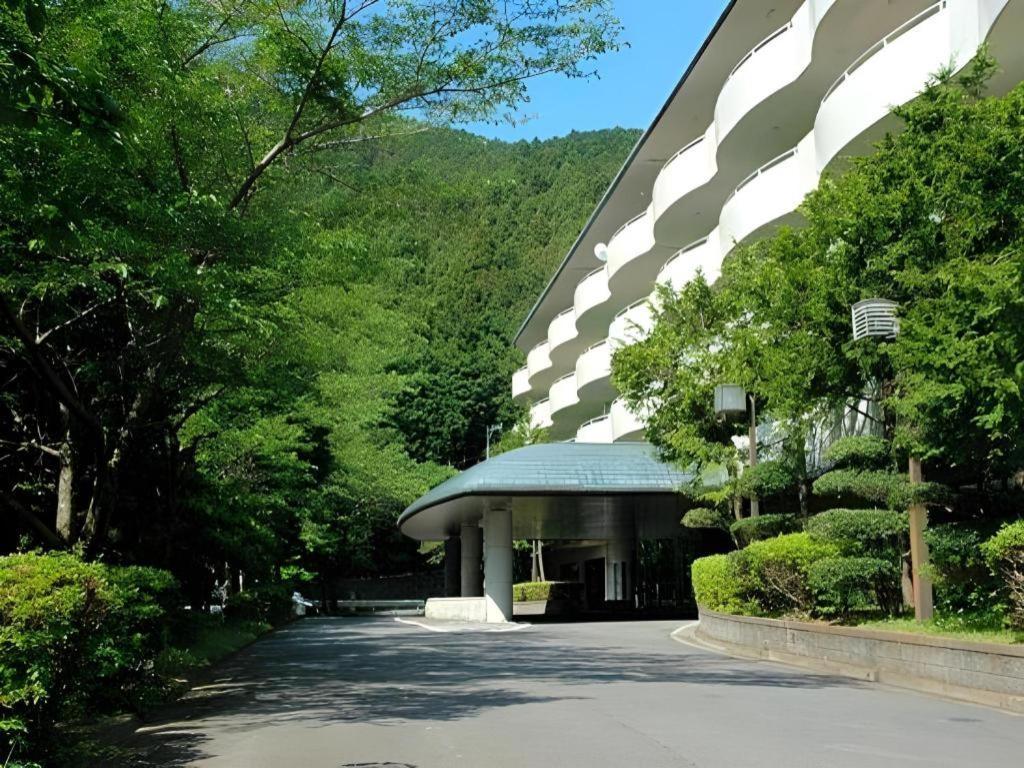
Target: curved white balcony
[(538, 363), (626, 425), (770, 195), (594, 365), (520, 383), (631, 324), (692, 166), (561, 330), (856, 109), (631, 241), (596, 430), (562, 394), (540, 414), (772, 64), (766, 106), (590, 295), (704, 256)]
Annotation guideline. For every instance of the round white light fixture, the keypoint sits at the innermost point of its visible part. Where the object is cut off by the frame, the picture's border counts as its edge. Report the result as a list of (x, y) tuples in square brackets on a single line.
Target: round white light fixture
[(601, 252)]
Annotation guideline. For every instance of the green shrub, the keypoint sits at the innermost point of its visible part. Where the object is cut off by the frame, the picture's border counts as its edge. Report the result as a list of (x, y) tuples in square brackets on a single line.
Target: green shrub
[(768, 478), (75, 637), (774, 571), (892, 489), (705, 517), (547, 590), (717, 585), (1004, 553), (859, 452), (751, 529), (840, 585), (270, 604), (863, 532), (963, 581)]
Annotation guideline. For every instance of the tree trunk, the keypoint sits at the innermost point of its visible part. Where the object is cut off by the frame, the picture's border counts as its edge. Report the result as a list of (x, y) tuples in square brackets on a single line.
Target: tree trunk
[(65, 481)]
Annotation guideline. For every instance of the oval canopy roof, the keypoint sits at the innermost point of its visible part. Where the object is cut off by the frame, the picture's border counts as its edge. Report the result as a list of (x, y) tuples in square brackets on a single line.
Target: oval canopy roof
[(556, 491)]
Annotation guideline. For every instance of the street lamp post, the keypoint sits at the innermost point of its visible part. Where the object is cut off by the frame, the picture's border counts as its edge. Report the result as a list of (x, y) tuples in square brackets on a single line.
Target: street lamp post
[(732, 401), (490, 433), (877, 318)]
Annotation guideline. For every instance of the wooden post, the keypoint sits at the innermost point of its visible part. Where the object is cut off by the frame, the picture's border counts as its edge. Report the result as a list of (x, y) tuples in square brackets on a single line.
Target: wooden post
[(923, 608), (755, 504)]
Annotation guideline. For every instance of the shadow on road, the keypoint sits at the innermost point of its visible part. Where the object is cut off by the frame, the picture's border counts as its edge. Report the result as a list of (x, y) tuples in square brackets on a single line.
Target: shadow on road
[(326, 671)]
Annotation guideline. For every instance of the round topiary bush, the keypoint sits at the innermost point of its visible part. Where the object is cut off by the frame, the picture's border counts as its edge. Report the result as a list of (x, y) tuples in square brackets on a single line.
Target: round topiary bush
[(751, 529), (841, 585), (774, 571), (862, 532), (1004, 554), (705, 517), (717, 585)]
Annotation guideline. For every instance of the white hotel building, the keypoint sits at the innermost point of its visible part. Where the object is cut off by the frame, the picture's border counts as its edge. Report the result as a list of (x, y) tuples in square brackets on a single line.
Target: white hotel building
[(780, 93)]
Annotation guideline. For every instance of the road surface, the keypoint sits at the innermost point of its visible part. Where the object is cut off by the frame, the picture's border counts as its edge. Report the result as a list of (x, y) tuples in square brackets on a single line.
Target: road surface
[(339, 693)]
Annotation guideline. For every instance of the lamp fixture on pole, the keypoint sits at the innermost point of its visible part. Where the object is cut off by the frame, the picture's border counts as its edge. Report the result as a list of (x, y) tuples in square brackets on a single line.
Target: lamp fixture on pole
[(877, 318)]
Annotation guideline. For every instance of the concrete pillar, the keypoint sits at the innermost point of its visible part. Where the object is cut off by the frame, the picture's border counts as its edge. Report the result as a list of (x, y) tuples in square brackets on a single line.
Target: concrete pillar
[(471, 544), (452, 567), (618, 581), (498, 564)]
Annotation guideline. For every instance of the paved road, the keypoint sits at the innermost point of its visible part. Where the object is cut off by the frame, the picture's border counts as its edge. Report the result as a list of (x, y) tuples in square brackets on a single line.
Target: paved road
[(329, 693)]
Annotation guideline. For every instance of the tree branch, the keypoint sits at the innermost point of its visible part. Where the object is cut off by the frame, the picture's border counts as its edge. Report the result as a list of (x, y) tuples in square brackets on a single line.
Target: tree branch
[(29, 517)]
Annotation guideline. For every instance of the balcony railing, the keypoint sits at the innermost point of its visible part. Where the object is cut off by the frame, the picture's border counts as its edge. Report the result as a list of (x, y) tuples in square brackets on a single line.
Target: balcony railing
[(682, 252), (762, 170), (635, 219), (901, 30), (750, 54)]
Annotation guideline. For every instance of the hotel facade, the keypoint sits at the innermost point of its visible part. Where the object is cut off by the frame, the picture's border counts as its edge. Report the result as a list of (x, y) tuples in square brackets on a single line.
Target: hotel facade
[(781, 94)]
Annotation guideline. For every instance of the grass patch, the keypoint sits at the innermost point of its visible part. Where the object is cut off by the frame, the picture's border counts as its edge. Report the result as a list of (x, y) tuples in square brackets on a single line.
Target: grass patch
[(207, 640), (979, 627)]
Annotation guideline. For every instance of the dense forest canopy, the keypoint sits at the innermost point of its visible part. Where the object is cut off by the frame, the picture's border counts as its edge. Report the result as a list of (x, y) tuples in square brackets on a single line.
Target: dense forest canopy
[(255, 296)]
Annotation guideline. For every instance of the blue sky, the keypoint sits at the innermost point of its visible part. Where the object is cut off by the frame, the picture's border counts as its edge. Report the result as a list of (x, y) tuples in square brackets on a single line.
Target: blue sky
[(664, 36)]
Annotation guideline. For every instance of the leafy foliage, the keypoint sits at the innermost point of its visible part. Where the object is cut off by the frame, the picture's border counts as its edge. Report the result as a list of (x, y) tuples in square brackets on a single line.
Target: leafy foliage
[(705, 517), (841, 585), (858, 452), (74, 637), (718, 586), (547, 590), (751, 529), (774, 571), (862, 532), (767, 478), (1004, 553)]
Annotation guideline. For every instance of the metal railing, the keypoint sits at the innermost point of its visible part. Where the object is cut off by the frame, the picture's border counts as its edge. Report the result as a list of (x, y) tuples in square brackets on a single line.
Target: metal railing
[(901, 30), (634, 305), (683, 151), (762, 170), (750, 54), (682, 252), (624, 226)]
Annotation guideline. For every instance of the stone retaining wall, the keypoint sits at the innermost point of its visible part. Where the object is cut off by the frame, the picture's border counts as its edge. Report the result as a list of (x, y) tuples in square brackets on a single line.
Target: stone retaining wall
[(983, 673)]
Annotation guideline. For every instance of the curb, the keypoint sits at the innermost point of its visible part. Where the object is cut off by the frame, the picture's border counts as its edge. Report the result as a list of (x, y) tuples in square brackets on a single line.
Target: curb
[(689, 635)]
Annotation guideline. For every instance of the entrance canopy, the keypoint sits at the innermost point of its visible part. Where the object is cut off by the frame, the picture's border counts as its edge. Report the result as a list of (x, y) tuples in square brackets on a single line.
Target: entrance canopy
[(565, 491)]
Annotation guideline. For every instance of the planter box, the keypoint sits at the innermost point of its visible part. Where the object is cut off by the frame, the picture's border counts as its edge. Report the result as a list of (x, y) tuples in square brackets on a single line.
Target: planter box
[(543, 607), (982, 673)]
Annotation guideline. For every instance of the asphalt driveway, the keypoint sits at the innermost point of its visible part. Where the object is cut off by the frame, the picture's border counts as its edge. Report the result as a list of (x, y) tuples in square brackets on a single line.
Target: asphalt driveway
[(338, 693)]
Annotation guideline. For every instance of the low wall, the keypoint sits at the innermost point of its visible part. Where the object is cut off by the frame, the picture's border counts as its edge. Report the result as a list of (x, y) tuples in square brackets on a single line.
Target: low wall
[(982, 673), (457, 609), (406, 586)]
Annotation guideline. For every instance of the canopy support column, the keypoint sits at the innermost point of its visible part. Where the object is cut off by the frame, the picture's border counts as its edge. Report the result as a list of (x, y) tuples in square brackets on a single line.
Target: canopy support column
[(471, 536), (498, 563)]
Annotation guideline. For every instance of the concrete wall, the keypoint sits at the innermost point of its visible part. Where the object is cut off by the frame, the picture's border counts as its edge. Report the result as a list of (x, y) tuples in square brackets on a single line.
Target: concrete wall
[(457, 609), (983, 673)]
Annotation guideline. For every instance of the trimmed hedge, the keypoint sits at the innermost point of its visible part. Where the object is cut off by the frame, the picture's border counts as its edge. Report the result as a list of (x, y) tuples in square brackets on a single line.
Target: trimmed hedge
[(704, 517), (860, 451), (840, 585), (765, 479), (717, 585), (963, 581), (862, 532), (546, 590), (751, 529), (266, 604), (1004, 554), (774, 571)]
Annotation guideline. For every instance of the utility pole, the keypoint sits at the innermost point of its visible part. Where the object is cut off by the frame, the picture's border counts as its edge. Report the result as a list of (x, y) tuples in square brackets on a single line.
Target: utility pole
[(755, 504), (923, 599)]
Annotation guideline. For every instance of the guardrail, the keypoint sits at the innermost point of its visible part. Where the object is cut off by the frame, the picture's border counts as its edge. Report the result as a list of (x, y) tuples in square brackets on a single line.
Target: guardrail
[(381, 607)]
